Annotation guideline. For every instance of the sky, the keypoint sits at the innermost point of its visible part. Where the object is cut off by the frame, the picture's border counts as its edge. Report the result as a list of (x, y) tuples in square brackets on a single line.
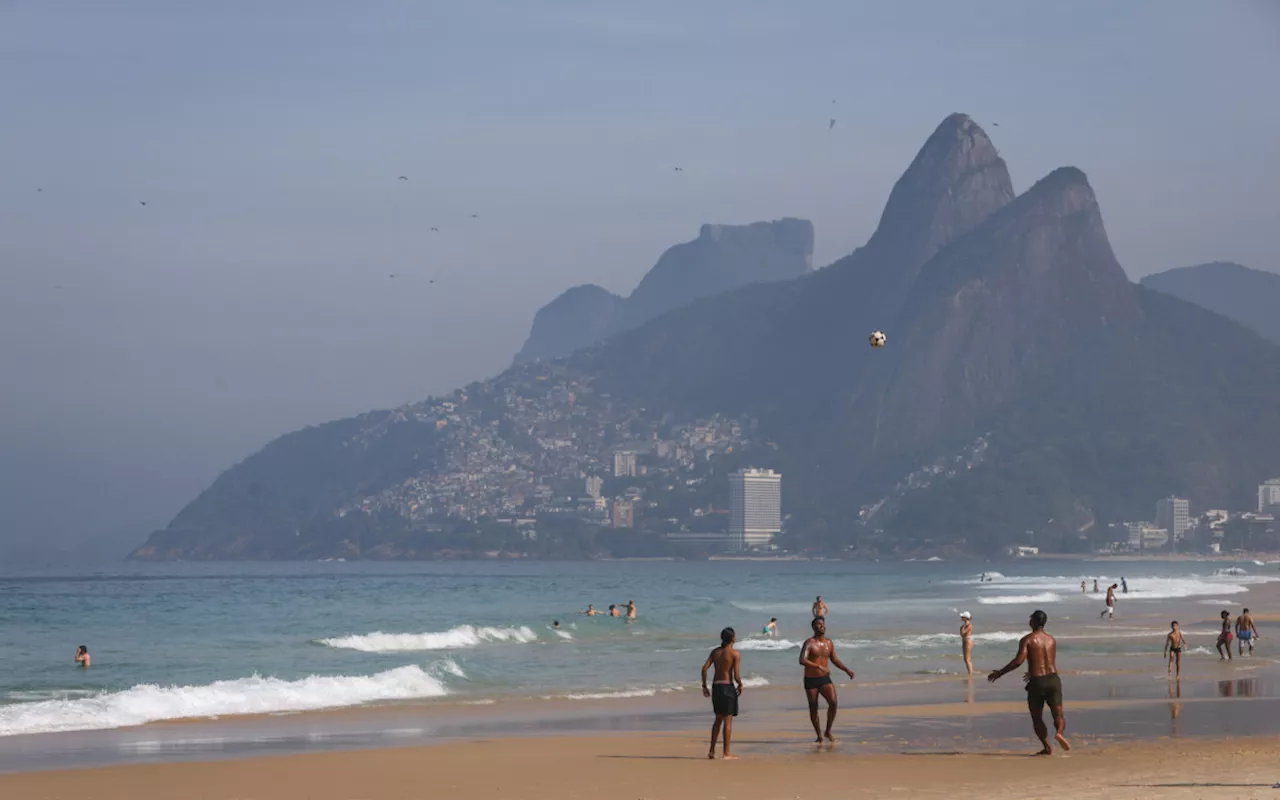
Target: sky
[(147, 348)]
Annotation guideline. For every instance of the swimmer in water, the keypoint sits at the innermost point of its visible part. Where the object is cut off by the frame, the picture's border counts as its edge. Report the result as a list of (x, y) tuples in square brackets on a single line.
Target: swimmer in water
[(590, 612), (82, 656), (555, 624), (772, 628), (613, 611), (631, 610)]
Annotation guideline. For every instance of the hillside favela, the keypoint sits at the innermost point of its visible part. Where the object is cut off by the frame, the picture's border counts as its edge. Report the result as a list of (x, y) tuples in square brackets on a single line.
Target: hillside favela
[(566, 400)]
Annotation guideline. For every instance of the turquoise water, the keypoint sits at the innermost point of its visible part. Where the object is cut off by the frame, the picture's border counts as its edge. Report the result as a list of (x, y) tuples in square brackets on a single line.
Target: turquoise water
[(173, 641)]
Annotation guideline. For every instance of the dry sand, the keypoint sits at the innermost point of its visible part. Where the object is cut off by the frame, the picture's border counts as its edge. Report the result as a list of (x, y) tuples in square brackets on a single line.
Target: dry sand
[(674, 766)]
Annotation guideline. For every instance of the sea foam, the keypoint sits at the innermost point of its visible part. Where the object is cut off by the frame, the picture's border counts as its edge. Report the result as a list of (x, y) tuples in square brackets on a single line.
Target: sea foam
[(255, 695), (1013, 599), (452, 639)]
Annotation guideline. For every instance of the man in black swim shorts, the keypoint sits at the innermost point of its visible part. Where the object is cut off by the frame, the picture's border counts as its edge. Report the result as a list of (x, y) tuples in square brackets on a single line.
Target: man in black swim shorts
[(1044, 687), (815, 654), (723, 693)]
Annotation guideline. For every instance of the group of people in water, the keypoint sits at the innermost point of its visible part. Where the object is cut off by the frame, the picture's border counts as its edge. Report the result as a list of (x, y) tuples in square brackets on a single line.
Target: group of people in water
[(1038, 650), (627, 610)]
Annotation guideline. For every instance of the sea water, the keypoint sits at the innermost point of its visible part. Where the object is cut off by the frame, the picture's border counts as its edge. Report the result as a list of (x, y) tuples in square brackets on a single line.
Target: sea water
[(208, 640)]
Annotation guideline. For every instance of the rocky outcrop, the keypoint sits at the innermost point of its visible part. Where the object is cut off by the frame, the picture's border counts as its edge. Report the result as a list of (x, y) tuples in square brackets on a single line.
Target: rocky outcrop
[(723, 257)]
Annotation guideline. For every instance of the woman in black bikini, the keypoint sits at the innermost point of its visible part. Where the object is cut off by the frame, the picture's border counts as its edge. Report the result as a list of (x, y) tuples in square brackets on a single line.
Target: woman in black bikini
[(1173, 644)]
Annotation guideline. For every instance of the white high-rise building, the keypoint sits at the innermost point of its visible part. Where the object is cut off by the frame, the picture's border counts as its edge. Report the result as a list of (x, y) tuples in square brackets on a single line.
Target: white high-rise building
[(1269, 494), (1173, 514), (624, 464), (594, 485), (755, 507)]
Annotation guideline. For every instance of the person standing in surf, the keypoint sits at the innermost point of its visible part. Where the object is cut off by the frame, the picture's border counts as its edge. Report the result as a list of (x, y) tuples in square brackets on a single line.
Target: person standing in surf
[(1044, 686), (1224, 638), (1173, 644), (816, 655), (82, 656), (966, 640), (771, 629), (1246, 632), (723, 693), (819, 608)]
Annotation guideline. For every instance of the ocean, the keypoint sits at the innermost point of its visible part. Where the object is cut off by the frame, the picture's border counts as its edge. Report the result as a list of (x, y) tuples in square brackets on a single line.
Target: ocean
[(209, 640)]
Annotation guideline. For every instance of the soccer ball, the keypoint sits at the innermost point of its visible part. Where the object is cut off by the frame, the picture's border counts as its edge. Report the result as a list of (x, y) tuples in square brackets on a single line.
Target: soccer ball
[(877, 339)]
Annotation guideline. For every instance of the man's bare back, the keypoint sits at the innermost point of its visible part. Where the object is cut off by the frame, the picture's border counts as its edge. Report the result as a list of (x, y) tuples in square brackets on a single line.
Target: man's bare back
[(725, 661)]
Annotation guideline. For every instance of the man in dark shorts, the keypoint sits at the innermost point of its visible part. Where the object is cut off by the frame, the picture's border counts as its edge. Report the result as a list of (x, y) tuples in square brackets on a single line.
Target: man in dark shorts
[(1044, 686), (723, 693), (815, 654)]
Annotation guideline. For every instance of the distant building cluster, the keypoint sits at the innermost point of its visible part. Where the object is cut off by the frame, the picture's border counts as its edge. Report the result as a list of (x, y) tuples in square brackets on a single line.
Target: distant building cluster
[(1174, 523)]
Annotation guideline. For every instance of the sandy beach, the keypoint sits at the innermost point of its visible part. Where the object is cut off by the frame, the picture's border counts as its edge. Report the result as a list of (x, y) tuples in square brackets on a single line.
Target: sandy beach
[(674, 766)]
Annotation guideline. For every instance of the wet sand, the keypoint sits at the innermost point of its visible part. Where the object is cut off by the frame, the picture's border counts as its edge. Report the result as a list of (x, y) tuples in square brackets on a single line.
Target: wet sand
[(674, 766)]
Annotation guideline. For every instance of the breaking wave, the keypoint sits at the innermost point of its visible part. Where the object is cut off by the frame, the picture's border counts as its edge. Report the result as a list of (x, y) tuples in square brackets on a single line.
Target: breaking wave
[(256, 695), (1013, 599), (452, 639)]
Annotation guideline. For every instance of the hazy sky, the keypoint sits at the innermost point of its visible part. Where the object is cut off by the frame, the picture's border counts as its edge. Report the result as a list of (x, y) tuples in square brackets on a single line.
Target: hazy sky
[(144, 349)]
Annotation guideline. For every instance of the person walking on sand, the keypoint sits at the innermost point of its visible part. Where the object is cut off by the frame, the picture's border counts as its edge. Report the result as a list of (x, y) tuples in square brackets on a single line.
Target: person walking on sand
[(82, 656), (1044, 685), (1246, 631), (816, 655), (1173, 644), (723, 693), (1224, 638), (966, 640), (1110, 611), (819, 608)]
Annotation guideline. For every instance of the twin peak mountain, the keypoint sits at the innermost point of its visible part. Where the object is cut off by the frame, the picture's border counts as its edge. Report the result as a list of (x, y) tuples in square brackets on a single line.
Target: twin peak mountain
[(1013, 332)]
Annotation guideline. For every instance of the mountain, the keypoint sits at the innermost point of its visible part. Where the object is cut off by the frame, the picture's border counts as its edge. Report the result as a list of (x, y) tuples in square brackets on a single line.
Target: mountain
[(580, 317), (1249, 296), (1027, 385), (723, 257)]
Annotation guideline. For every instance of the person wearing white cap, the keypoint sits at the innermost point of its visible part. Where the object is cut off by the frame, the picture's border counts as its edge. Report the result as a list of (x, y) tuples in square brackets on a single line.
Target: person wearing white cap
[(966, 639)]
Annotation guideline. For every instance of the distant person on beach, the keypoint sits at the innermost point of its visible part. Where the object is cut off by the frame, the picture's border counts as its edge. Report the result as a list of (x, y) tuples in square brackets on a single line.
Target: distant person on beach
[(631, 610), (1124, 585), (613, 611), (1246, 631), (1224, 638), (1044, 686), (1173, 644), (819, 608), (723, 693), (1110, 611), (555, 624), (772, 628), (590, 612), (815, 654), (1095, 585), (1083, 589), (966, 639), (82, 656)]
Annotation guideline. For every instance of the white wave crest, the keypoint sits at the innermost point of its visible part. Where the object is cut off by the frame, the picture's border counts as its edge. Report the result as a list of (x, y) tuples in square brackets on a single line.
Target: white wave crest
[(256, 695), (452, 639), (562, 634), (1013, 599), (767, 644), (755, 681)]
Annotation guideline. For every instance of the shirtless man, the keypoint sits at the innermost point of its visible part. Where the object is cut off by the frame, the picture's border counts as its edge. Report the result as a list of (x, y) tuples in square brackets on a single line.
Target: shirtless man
[(815, 654), (1173, 644), (613, 611), (631, 610), (1111, 603), (1246, 631), (1224, 638), (82, 656), (723, 694), (590, 612), (819, 608), (966, 639), (1044, 686)]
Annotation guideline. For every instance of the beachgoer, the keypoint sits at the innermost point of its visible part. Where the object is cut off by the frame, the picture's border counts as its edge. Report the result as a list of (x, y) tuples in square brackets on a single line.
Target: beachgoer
[(723, 693), (1224, 638), (82, 656), (1173, 644), (1246, 631), (1110, 611), (772, 628), (1083, 590), (555, 624), (1124, 585), (591, 611), (815, 654), (819, 608), (631, 610), (966, 639), (613, 611), (1095, 585), (1044, 686)]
